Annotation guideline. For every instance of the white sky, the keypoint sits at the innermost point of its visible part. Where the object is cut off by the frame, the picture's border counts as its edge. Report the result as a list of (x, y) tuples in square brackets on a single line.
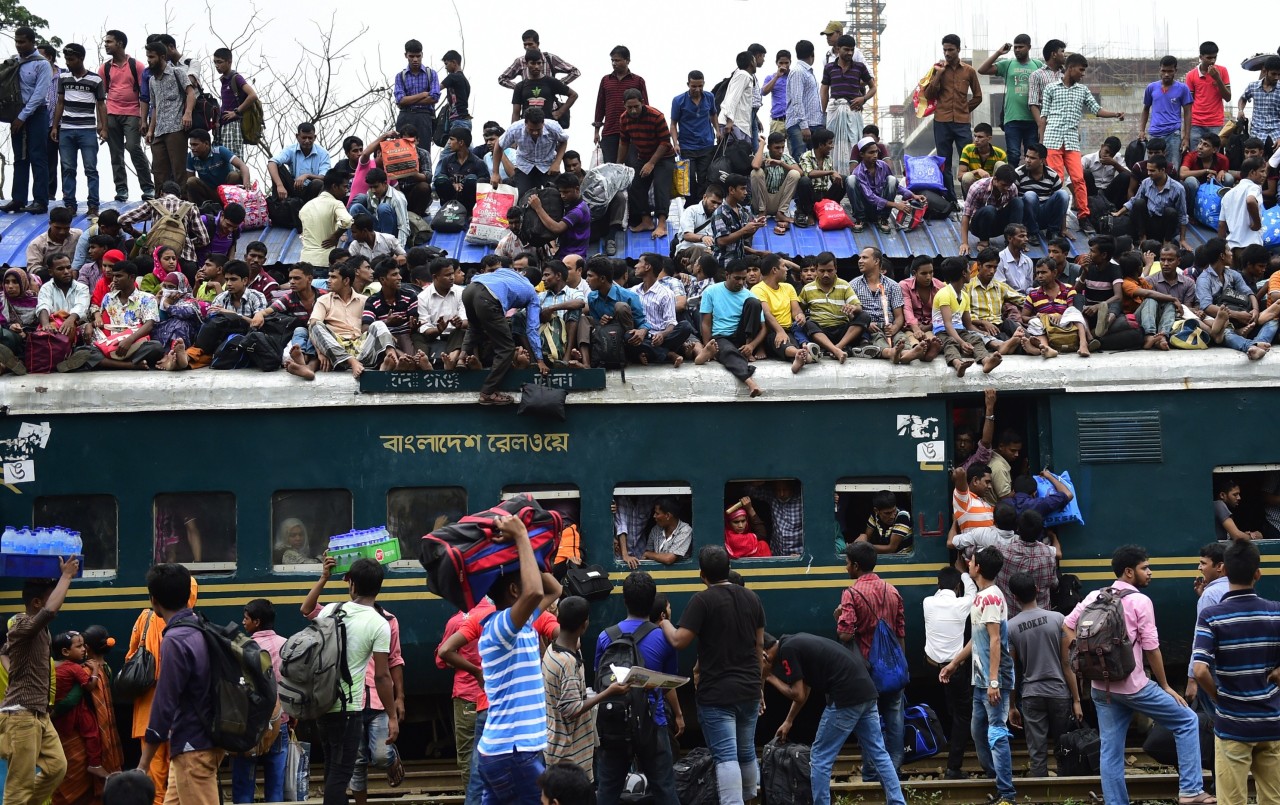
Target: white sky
[(662, 49)]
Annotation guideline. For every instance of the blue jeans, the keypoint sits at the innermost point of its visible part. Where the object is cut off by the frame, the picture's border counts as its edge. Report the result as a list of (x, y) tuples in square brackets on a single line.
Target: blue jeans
[(512, 778), (1113, 725), (864, 210), (85, 142), (243, 768), (1044, 214), (949, 137), (475, 786), (374, 749), (655, 762), (989, 222), (384, 220), (1198, 132), (1172, 146), (302, 341), (990, 732), (889, 706), (31, 159), (1156, 317), (1265, 336), (833, 730), (1018, 134), (730, 733), (795, 140), (460, 124)]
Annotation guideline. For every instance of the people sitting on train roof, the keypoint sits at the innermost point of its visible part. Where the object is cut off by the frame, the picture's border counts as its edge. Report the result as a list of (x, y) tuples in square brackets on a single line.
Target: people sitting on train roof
[(995, 308), (744, 532), (442, 320), (732, 326), (1240, 220), (918, 291), (388, 208), (368, 242), (1052, 318), (990, 205), (783, 317), (889, 528), (952, 324), (774, 178), (107, 229), (1158, 207), (881, 300), (874, 192), (1226, 501), (59, 238), (396, 306), (120, 337), (1222, 292), (170, 202)]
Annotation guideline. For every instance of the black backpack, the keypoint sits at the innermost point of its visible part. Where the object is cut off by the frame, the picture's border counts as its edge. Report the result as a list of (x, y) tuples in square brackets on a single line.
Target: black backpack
[(695, 775), (261, 350), (591, 582), (784, 774), (450, 218), (1134, 152), (625, 720), (721, 89), (1079, 753), (532, 232), (608, 347), (243, 695), (283, 212), (11, 102)]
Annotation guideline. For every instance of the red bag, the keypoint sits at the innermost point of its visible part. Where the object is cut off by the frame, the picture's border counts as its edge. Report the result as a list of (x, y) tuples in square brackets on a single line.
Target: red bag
[(400, 157), (45, 351), (831, 215)]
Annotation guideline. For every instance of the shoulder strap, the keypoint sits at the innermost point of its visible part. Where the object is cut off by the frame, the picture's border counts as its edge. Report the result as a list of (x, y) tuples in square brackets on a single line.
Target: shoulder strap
[(642, 631), (614, 633), (146, 627)]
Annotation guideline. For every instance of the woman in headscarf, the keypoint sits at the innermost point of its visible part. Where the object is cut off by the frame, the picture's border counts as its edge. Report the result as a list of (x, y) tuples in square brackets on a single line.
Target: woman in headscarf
[(99, 643), (181, 315), (293, 543), (164, 261), (17, 310), (739, 539)]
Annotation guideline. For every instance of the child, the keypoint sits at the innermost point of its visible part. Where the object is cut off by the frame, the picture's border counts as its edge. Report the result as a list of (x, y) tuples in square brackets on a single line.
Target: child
[(566, 784), (70, 652), (960, 345), (739, 540), (132, 787), (98, 643)]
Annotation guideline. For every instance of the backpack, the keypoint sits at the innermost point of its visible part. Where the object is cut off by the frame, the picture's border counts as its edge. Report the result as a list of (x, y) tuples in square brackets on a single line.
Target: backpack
[(695, 775), (207, 112), (1079, 753), (1134, 152), (419, 231), (591, 582), (283, 212), (261, 350), (721, 89), (608, 347), (11, 102), (887, 663), (313, 668), (168, 228), (450, 218), (1067, 596), (252, 119), (440, 128), (625, 720), (532, 231), (133, 69), (243, 686), (1103, 650), (230, 353), (784, 774), (922, 733)]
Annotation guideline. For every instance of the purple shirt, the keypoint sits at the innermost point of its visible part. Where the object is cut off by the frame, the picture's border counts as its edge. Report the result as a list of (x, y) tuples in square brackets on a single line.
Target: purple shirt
[(778, 96), (1045, 506), (232, 89), (182, 692), (1166, 107), (873, 186), (576, 237)]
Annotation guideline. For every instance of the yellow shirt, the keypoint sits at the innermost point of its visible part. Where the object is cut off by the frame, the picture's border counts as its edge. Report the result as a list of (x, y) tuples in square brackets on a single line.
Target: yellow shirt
[(777, 301), (958, 304)]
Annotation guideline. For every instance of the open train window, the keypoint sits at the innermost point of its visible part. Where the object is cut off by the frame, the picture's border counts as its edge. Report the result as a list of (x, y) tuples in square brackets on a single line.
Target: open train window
[(879, 508), (1246, 498), (564, 498), (302, 520), (196, 529), (774, 518), (1015, 439), (414, 511), (96, 517), (657, 519)]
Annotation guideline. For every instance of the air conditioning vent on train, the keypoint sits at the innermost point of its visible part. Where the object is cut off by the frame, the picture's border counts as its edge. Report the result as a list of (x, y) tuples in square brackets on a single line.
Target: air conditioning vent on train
[(1120, 437)]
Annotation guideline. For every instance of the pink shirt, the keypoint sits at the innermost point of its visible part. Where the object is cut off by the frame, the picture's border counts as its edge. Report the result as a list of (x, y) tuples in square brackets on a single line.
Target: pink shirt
[(358, 183), (122, 99), (394, 659), (465, 686), (914, 310), (271, 643), (1140, 620)]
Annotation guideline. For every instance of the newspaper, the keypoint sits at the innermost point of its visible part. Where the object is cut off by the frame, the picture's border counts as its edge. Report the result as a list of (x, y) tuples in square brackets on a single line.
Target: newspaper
[(636, 676)]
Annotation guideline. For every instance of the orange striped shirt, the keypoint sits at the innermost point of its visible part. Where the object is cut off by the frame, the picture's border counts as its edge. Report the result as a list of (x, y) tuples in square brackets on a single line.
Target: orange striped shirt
[(971, 511)]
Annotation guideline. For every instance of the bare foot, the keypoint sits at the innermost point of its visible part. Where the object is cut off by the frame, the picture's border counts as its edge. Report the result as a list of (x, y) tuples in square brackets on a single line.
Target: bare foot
[(706, 352), (991, 363), (840, 355), (1257, 351), (1048, 352), (1149, 342), (166, 363), (1084, 352), (961, 367), (423, 361), (756, 391), (295, 354), (357, 368), (644, 359), (450, 361), (522, 359), (798, 363), (1010, 346), (299, 369), (389, 362), (180, 357), (933, 350), (676, 359), (473, 362), (1217, 330), (407, 363), (660, 231), (645, 225), (1162, 342)]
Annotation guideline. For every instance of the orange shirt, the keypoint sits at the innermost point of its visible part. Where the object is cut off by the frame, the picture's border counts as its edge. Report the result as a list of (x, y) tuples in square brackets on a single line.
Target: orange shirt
[(971, 511), (1273, 286), (154, 632), (1130, 300)]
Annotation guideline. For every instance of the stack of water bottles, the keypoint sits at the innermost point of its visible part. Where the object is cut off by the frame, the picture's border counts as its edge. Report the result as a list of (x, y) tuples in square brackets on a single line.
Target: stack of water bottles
[(368, 543), (36, 553)]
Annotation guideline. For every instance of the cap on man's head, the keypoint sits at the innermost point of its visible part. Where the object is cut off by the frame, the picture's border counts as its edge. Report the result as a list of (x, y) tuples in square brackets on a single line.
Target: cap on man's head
[(833, 27), (865, 142), (74, 48)]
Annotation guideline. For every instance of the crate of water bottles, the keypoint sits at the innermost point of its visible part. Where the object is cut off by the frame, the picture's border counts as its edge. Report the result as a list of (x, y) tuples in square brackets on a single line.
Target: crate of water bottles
[(369, 543), (36, 554)]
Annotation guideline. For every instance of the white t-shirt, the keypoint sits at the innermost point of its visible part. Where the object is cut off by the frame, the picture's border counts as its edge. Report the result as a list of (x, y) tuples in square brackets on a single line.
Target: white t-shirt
[(1235, 212), (368, 633)]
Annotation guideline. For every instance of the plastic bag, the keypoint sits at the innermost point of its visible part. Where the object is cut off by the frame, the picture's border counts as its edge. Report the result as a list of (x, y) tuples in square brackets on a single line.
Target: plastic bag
[(925, 173), (400, 157), (602, 183), (489, 218), (680, 179), (597, 158), (254, 203), (831, 215), (1208, 203), (297, 771), (1071, 512), (923, 106)]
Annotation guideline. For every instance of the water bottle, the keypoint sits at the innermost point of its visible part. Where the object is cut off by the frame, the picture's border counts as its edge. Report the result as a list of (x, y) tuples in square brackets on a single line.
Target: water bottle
[(58, 541), (9, 539), (77, 544), (22, 541)]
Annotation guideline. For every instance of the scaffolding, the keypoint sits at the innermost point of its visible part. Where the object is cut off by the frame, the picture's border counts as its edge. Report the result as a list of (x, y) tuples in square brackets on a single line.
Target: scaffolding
[(866, 23)]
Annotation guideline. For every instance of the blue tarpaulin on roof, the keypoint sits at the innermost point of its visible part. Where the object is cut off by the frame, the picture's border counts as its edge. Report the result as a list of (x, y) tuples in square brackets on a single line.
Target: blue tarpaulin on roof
[(285, 245)]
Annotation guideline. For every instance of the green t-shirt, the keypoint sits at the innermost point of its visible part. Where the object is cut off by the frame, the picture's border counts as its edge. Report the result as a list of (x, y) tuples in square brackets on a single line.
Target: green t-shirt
[(367, 633), (1017, 83)]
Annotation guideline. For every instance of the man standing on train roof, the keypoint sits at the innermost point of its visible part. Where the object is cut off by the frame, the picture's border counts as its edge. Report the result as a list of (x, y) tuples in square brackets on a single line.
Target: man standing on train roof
[(486, 300), (553, 66)]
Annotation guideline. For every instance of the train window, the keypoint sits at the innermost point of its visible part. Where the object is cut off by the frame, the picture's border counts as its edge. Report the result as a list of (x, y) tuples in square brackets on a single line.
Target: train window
[(96, 517), (879, 508), (566, 499), (774, 518), (641, 512), (1015, 437), (1246, 500), (302, 520), (197, 529), (413, 512)]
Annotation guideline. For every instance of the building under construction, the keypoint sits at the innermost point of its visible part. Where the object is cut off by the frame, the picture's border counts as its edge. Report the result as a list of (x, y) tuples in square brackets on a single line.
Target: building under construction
[(866, 23)]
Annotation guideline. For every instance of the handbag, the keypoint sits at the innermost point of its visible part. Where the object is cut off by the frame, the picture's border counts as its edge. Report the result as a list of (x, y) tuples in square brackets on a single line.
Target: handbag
[(297, 770), (591, 582), (400, 157), (45, 350), (138, 674), (537, 399), (109, 344)]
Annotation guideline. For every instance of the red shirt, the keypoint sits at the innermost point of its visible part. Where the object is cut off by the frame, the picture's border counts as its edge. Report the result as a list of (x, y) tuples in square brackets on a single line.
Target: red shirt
[(864, 604), (471, 625), (1192, 162), (609, 99), (646, 132), (1206, 99)]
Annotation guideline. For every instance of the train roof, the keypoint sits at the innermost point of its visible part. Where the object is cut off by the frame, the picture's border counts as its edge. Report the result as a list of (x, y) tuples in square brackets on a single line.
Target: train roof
[(17, 230), (244, 389)]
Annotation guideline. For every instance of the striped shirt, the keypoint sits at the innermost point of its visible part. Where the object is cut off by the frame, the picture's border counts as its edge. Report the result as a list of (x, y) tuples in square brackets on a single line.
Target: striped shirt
[(1265, 120), (1040, 303), (826, 307), (609, 99), (1063, 108), (986, 302), (1040, 80), (846, 84), (971, 159), (411, 83), (379, 308), (971, 511), (572, 730), (879, 303), (80, 99), (513, 684), (1237, 639), (646, 132), (1044, 187)]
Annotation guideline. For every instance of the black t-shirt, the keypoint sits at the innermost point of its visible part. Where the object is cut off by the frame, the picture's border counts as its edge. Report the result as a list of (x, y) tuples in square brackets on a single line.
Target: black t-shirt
[(539, 93), (1100, 280), (726, 618), (826, 666), (459, 90)]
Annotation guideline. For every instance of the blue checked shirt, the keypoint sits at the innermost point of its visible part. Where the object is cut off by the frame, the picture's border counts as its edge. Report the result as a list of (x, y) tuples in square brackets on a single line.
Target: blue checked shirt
[(788, 522), (534, 153), (1265, 121), (411, 83), (1160, 199), (879, 305)]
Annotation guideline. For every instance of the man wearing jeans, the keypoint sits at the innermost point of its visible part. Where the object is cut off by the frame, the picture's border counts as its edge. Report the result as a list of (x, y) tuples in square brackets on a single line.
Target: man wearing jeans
[(799, 663), (368, 639), (30, 129), (950, 88), (79, 122), (122, 76), (1117, 701), (992, 672), (728, 622), (1019, 124)]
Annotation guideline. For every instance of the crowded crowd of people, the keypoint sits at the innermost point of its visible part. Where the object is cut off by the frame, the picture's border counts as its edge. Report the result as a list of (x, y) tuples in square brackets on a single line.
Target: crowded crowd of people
[(369, 293)]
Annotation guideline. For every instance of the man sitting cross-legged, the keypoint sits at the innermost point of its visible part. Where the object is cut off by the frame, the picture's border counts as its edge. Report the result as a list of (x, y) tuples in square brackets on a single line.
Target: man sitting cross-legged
[(731, 325)]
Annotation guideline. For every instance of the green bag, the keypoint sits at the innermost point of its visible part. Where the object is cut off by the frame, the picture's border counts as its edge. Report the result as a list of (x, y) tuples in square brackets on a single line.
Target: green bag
[(251, 123)]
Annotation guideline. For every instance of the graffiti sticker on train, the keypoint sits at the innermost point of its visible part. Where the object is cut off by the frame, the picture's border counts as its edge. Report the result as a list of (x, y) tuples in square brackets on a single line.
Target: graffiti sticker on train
[(17, 454), (492, 443), (917, 427)]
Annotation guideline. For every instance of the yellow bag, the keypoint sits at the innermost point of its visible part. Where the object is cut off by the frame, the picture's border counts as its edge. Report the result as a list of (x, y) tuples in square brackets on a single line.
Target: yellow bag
[(1063, 339), (1188, 335), (680, 179), (923, 106)]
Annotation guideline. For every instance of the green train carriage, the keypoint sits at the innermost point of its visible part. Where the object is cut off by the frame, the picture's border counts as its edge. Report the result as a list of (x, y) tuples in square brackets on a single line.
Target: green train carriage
[(242, 453)]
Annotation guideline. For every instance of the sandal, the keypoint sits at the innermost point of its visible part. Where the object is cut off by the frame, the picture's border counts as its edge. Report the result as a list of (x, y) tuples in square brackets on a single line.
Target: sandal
[(1203, 798), (781, 227), (497, 398), (395, 773)]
